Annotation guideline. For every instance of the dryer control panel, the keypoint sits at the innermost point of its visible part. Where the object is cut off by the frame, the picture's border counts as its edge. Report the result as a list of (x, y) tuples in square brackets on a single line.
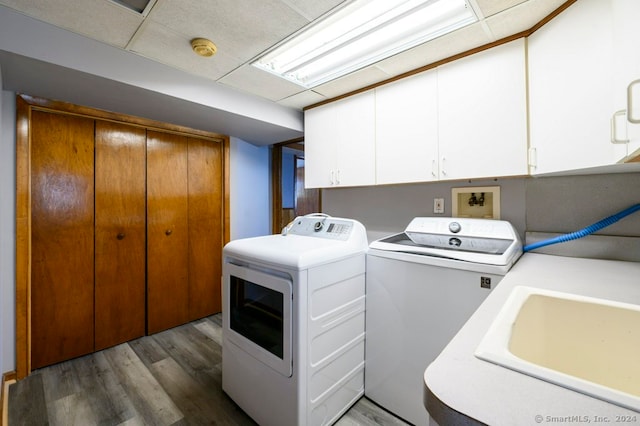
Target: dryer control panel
[(320, 227)]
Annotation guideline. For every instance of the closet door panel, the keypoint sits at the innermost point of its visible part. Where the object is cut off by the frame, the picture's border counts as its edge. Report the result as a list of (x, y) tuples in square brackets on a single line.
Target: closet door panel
[(62, 220), (120, 203), (167, 231), (205, 227)]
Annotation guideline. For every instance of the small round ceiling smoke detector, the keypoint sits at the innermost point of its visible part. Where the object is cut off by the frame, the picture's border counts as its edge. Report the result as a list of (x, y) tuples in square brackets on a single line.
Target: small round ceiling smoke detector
[(203, 47)]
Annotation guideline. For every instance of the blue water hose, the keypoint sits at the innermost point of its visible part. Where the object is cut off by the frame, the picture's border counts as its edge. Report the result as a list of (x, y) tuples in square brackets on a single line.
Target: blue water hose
[(584, 231)]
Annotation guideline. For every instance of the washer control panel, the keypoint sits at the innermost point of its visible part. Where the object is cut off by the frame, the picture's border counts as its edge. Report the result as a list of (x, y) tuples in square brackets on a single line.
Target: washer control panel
[(320, 227), (462, 234)]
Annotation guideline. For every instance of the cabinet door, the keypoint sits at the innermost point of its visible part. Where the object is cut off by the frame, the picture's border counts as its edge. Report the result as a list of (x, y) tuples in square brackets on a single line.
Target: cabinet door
[(320, 147), (407, 130), (167, 231), (483, 114), (626, 68), (355, 140), (340, 143), (570, 89), (62, 220), (120, 250), (205, 199)]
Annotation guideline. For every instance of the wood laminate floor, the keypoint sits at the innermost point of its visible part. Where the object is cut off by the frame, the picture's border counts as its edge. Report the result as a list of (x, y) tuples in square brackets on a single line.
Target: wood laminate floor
[(170, 378)]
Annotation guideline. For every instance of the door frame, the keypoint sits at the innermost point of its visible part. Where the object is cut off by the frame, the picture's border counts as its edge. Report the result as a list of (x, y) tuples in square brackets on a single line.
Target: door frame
[(24, 105), (276, 180)]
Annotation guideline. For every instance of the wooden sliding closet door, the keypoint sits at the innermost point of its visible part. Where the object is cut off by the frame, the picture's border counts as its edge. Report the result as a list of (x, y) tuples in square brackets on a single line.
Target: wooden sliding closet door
[(62, 231), (205, 226), (120, 251), (167, 231)]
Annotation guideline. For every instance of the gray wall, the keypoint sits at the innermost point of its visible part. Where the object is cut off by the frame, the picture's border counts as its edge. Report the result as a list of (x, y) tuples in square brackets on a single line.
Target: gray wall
[(549, 204), (565, 204), (389, 208)]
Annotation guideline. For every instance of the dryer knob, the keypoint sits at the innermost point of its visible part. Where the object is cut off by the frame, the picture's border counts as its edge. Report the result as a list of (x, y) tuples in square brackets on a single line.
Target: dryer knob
[(318, 226)]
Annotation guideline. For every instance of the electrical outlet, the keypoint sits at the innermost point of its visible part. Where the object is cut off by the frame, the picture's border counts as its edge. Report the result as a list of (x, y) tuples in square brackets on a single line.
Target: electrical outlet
[(438, 205)]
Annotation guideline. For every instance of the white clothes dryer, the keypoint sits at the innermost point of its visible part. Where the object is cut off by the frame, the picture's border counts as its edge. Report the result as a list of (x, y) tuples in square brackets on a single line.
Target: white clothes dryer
[(422, 286), (293, 321)]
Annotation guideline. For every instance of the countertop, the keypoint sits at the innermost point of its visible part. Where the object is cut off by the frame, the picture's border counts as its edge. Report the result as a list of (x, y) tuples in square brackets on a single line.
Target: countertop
[(462, 389)]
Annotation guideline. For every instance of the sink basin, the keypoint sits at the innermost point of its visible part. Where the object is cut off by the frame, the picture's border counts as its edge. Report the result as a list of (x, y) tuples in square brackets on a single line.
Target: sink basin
[(585, 344)]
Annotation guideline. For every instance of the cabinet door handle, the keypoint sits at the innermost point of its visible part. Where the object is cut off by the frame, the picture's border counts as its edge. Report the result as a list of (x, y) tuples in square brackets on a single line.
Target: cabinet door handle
[(630, 117), (168, 232), (120, 236), (331, 178), (614, 127), (338, 177), (433, 168), (533, 158), (443, 171)]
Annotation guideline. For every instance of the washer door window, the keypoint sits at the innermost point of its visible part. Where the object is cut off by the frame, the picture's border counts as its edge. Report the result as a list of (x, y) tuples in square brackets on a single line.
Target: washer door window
[(258, 315)]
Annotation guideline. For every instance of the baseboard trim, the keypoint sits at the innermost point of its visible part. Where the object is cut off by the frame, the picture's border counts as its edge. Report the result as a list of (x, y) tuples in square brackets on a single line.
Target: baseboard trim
[(7, 379)]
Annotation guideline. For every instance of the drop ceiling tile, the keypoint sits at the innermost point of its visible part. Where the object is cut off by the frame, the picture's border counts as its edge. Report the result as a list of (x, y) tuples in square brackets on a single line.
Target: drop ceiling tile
[(521, 17), (161, 44), (443, 47), (243, 28), (312, 9), (101, 20), (491, 7), (303, 99), (250, 79), (350, 82)]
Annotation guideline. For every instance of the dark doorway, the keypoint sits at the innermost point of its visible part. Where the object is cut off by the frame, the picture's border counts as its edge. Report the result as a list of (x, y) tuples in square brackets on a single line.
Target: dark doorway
[(290, 197)]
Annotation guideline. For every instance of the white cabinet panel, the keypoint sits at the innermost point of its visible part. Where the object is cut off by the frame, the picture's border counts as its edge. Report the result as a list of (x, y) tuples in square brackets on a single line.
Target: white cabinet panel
[(626, 69), (407, 130), (483, 114), (467, 119), (355, 140), (319, 147), (570, 79), (340, 143)]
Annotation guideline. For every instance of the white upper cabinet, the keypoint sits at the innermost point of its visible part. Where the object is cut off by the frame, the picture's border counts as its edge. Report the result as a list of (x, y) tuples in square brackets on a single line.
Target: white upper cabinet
[(340, 143), (556, 101), (482, 114), (319, 147), (580, 65), (626, 70), (407, 130), (466, 119)]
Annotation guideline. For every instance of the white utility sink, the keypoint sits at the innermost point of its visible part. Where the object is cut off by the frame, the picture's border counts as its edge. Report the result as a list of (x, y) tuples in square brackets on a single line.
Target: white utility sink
[(585, 344)]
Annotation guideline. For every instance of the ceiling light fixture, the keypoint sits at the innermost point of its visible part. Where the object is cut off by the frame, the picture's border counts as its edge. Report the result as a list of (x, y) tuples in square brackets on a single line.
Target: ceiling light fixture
[(361, 33), (203, 47), (136, 5)]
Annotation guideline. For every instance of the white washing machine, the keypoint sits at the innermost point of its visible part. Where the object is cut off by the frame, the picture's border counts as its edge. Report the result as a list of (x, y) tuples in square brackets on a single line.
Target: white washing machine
[(293, 321), (422, 286)]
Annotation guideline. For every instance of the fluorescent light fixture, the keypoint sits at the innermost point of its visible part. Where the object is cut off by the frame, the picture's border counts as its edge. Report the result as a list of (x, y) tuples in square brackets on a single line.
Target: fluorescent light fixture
[(361, 33)]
